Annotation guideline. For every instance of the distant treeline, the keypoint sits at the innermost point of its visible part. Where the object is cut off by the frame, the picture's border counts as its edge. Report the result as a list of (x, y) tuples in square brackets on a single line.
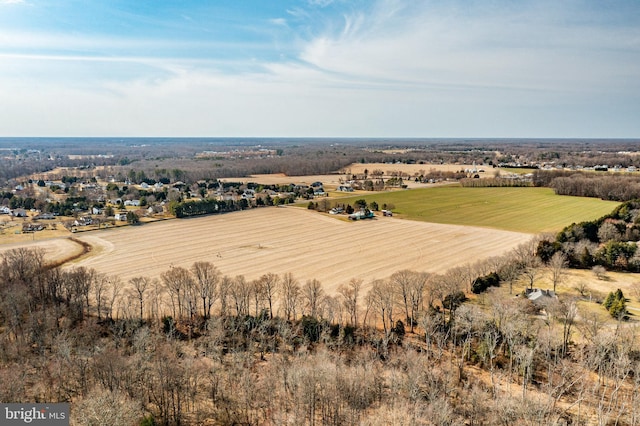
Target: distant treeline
[(604, 186), (494, 182), (200, 207)]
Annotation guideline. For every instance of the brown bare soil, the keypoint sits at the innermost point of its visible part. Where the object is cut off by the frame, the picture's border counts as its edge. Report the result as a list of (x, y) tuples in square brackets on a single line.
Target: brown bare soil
[(56, 250), (280, 240)]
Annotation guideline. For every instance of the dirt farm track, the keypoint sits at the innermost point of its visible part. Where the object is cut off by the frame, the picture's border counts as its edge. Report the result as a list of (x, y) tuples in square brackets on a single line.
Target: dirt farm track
[(288, 239)]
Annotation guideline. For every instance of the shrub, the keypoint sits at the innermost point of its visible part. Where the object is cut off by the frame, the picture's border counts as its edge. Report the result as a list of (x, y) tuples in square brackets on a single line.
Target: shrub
[(481, 284), (616, 304), (599, 271), (311, 328)]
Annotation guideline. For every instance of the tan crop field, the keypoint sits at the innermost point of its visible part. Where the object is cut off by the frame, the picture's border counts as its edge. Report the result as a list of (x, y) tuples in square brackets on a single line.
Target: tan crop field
[(335, 179), (55, 249), (280, 240)]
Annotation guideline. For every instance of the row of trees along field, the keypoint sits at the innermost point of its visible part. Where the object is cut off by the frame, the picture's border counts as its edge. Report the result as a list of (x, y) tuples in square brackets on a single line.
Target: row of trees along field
[(196, 345), (612, 187)]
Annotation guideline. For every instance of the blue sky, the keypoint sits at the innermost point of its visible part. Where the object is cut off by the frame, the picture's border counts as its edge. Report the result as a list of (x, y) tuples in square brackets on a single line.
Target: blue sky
[(320, 68)]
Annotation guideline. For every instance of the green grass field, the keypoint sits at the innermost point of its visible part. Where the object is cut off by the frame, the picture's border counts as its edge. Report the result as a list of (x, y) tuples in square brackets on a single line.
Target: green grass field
[(532, 210)]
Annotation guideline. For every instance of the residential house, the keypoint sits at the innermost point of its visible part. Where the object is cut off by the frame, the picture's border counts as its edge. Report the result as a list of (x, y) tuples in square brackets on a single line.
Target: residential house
[(249, 194), (540, 297), (344, 188), (45, 216)]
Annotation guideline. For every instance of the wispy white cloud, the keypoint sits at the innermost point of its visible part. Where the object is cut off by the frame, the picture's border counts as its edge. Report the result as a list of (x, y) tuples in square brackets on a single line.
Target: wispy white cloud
[(396, 68), (12, 2), (321, 3), (447, 46), (120, 46), (278, 21)]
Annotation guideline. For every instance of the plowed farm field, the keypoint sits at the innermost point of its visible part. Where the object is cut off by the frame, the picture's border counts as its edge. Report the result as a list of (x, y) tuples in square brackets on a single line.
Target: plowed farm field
[(279, 240)]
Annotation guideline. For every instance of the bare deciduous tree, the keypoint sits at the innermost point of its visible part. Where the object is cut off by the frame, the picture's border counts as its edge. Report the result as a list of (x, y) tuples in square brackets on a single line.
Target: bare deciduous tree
[(259, 296), (224, 291), (381, 297), (140, 286), (600, 272), (290, 296), (510, 271), (312, 292), (557, 268), (582, 288), (99, 289), (81, 279), (608, 231), (331, 309), (102, 407), (114, 287), (417, 289), (178, 282), (270, 284), (22, 264), (532, 271), (241, 291), (401, 281), (350, 293), (565, 311), (524, 252), (207, 277)]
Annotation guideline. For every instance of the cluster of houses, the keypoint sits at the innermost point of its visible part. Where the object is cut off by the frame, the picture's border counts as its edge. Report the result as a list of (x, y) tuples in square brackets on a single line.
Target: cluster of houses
[(98, 197), (553, 166), (121, 206), (14, 212)]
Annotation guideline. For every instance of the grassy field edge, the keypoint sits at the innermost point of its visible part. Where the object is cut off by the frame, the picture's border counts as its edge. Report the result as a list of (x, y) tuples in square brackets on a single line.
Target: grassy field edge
[(531, 210)]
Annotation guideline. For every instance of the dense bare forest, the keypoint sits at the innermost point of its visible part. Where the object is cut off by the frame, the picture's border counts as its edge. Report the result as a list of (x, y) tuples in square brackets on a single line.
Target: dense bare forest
[(197, 347)]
